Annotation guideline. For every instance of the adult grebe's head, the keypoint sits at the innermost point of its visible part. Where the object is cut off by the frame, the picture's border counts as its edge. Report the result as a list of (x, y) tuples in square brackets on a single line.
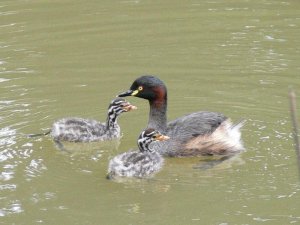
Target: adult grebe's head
[(149, 136), (147, 87), (120, 105)]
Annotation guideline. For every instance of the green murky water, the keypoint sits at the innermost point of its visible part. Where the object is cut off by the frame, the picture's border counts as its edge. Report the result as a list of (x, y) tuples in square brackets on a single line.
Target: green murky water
[(70, 58)]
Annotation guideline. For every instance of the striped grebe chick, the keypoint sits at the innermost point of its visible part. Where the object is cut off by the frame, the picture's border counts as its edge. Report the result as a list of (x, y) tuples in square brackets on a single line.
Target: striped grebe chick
[(76, 129), (143, 163)]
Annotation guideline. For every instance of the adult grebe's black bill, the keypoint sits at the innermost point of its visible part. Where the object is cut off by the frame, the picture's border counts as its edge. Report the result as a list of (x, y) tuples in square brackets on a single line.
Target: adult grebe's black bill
[(126, 93)]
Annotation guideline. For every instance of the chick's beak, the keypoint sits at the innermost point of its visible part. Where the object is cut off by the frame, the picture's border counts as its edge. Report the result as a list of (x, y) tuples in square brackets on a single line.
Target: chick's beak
[(162, 137), (128, 107)]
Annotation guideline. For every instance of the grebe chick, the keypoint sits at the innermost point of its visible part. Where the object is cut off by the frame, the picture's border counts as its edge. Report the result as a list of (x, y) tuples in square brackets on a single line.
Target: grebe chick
[(195, 134), (143, 163), (75, 129)]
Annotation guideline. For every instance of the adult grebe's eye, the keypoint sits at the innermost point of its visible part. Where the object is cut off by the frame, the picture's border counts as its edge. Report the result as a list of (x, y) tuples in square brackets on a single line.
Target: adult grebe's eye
[(140, 88)]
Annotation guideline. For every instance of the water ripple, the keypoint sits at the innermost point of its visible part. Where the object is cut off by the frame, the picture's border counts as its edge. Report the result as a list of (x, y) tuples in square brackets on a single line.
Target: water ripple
[(12, 208), (11, 187), (4, 80), (41, 197), (8, 172), (35, 168), (7, 136)]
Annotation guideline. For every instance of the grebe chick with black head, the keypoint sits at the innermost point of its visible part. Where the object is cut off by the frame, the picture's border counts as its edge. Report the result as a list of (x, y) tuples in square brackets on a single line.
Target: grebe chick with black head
[(75, 129), (143, 163), (195, 134)]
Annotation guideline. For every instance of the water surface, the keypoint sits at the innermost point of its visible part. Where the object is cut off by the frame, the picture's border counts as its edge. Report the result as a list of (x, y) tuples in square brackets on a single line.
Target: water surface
[(70, 58)]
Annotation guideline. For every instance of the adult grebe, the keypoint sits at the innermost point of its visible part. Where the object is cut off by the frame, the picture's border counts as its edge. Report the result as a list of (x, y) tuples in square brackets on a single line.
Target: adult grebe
[(198, 133)]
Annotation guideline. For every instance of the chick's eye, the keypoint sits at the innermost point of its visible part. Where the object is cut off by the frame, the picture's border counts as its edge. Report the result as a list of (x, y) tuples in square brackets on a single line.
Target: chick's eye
[(140, 88)]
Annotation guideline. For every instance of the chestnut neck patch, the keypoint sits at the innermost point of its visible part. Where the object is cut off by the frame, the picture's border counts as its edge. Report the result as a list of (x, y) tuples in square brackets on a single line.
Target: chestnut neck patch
[(160, 97)]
